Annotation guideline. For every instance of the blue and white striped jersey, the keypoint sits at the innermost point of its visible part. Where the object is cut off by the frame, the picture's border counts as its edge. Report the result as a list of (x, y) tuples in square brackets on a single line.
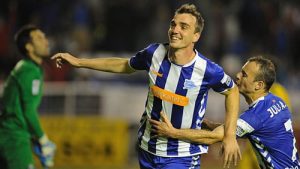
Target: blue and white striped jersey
[(179, 91), (267, 124)]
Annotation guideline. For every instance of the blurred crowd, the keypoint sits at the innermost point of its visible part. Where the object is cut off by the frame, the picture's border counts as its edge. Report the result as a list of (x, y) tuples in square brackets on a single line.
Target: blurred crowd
[(234, 30)]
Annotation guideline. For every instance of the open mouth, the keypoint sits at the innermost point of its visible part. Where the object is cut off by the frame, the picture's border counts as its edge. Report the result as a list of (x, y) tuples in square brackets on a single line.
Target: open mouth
[(173, 37)]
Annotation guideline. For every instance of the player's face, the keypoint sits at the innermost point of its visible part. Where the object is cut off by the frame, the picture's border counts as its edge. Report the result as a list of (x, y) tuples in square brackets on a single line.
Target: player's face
[(182, 31), (39, 43), (245, 79)]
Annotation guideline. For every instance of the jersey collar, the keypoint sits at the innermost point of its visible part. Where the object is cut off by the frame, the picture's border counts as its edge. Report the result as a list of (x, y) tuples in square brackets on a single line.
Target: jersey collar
[(253, 104)]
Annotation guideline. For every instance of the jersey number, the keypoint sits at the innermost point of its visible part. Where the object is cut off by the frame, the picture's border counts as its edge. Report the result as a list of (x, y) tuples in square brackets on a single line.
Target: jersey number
[(288, 127)]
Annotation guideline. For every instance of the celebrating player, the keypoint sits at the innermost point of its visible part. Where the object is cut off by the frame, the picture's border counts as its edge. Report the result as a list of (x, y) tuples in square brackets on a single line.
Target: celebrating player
[(19, 123), (179, 80), (267, 123)]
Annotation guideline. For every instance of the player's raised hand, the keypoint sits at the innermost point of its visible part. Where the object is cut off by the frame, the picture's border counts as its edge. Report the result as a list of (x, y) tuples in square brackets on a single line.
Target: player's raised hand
[(62, 58)]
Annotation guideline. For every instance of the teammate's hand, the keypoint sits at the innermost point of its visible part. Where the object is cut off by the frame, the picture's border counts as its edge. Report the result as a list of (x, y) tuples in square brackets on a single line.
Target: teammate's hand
[(61, 58), (163, 128), (45, 150)]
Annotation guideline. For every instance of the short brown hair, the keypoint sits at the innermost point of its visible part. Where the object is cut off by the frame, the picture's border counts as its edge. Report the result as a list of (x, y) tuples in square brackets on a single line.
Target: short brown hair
[(191, 9), (22, 37), (266, 72)]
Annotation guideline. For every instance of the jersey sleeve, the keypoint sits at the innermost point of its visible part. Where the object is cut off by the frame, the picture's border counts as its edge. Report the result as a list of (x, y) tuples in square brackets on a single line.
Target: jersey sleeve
[(31, 88), (247, 123), (219, 80), (142, 60)]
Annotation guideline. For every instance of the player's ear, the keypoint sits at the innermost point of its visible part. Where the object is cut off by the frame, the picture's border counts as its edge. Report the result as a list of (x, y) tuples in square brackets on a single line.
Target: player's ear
[(29, 47), (196, 37), (259, 85)]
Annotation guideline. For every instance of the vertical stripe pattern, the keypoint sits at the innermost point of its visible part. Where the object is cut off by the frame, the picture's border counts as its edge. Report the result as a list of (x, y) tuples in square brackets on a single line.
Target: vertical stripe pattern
[(179, 91)]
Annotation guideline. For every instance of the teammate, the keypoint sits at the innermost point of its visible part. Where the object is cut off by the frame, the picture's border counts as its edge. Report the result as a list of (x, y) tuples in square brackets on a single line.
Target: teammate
[(249, 158), (267, 123), (179, 80), (19, 122)]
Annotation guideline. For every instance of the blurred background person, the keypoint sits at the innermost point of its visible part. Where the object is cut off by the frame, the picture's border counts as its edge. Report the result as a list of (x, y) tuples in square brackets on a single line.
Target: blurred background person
[(19, 122)]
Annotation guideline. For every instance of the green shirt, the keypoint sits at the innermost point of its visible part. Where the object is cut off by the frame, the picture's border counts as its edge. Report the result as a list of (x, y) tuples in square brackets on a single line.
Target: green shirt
[(21, 97)]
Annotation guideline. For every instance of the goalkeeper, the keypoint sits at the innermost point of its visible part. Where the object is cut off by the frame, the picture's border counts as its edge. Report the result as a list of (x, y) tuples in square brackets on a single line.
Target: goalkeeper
[(19, 123)]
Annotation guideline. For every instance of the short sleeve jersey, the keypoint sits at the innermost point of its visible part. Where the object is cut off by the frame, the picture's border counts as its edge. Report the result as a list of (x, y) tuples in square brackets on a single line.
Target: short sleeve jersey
[(181, 92), (267, 124), (21, 98)]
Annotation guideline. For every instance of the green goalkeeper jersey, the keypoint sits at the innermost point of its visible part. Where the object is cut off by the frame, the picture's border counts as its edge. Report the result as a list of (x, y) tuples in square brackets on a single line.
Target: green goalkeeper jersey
[(21, 97)]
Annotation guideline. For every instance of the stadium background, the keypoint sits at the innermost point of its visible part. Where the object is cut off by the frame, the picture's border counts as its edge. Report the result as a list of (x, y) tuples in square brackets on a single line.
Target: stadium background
[(93, 116)]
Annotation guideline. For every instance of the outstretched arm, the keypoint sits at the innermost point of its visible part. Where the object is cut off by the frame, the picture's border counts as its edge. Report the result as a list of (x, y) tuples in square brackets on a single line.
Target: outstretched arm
[(164, 128), (114, 65)]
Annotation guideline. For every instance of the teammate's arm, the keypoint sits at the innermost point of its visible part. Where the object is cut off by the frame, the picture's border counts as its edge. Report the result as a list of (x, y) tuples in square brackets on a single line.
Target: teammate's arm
[(164, 128), (114, 65), (230, 148)]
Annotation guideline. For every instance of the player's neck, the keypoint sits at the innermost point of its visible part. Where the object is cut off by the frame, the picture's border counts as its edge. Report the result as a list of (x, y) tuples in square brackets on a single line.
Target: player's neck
[(254, 96), (36, 59), (181, 56)]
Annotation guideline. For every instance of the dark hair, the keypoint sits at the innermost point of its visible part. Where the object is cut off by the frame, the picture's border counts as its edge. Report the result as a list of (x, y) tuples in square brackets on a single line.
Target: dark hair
[(191, 9), (22, 37), (266, 72)]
